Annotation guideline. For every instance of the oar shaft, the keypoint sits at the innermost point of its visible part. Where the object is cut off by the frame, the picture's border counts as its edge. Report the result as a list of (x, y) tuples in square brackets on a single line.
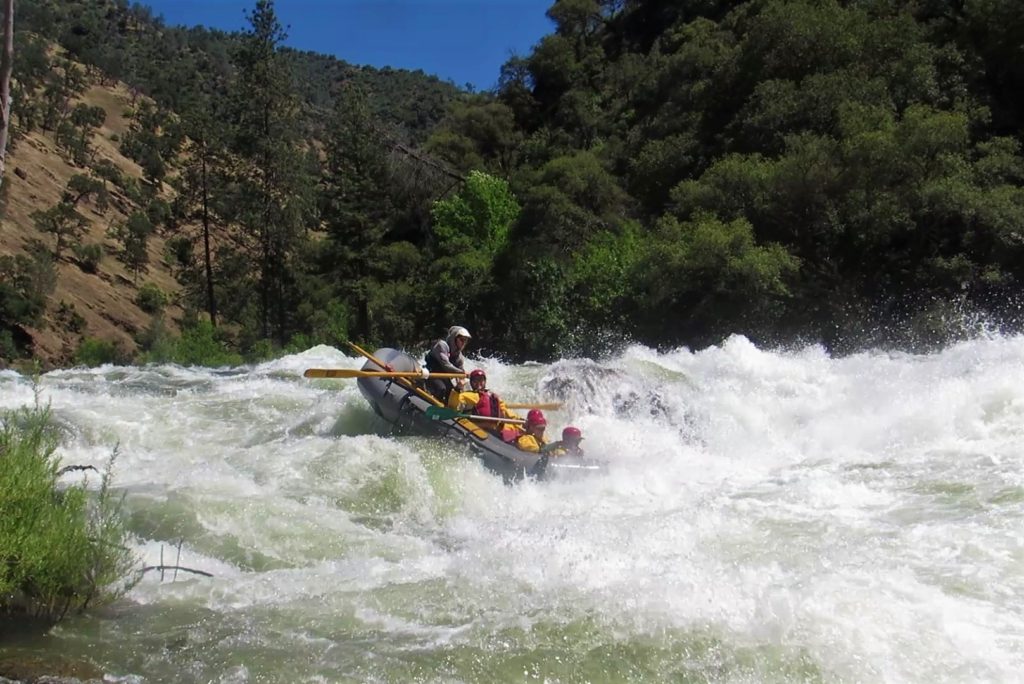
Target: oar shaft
[(353, 373), (493, 419), (444, 413), (546, 407)]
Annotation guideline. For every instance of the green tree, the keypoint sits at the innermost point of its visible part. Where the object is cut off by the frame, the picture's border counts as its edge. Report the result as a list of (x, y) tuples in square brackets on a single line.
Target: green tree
[(706, 278), (471, 229), (62, 221), (275, 198), (134, 237), (356, 206)]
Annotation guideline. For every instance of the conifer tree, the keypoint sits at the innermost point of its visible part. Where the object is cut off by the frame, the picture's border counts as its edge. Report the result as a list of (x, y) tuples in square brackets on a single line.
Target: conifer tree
[(274, 183), (356, 205)]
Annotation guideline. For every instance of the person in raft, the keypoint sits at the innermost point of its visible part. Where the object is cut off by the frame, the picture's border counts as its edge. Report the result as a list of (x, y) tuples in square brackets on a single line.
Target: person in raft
[(532, 439), (569, 444), (446, 357), (481, 401)]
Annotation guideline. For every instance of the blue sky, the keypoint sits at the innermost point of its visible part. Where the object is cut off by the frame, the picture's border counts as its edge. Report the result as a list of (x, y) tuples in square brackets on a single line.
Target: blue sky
[(466, 41)]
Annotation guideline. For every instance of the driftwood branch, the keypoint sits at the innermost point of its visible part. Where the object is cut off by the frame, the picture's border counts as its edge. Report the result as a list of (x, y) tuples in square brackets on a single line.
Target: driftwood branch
[(68, 469), (163, 568)]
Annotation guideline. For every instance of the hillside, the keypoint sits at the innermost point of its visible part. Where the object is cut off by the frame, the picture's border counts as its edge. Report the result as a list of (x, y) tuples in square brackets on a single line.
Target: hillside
[(37, 173), (157, 85), (795, 171)]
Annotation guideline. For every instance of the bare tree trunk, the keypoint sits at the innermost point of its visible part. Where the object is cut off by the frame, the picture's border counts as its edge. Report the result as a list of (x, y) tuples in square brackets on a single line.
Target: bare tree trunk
[(211, 302), (6, 63)]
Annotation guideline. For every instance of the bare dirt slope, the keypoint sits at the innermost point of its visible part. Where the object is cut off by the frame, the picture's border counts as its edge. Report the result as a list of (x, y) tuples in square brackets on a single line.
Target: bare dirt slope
[(37, 173)]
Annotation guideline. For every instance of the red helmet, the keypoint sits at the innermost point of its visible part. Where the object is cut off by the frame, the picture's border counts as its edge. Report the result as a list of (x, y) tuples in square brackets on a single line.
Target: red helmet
[(535, 417), (477, 375), (572, 433)]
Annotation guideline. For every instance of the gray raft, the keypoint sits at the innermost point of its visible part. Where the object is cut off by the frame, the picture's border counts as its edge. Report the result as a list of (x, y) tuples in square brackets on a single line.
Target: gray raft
[(403, 404)]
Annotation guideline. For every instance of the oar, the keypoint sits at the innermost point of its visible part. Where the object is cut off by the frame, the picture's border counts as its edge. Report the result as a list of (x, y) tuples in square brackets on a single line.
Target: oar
[(547, 407), (442, 413), (353, 373)]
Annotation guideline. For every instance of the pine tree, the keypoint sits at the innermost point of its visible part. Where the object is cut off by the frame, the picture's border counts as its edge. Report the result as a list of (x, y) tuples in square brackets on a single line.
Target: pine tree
[(274, 182), (356, 206)]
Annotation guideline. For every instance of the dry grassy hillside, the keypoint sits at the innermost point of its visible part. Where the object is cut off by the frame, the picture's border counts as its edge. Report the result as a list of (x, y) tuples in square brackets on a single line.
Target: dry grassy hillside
[(37, 173)]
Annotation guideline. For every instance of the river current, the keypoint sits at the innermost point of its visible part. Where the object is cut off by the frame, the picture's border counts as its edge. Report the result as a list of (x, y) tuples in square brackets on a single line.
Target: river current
[(766, 516)]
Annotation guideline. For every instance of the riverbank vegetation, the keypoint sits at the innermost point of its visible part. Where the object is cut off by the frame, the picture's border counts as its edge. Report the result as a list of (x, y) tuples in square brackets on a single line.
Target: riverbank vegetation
[(834, 171), (62, 546)]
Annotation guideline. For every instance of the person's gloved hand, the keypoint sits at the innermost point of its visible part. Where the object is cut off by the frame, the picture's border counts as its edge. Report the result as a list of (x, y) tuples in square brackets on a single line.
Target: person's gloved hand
[(424, 373), (460, 384)]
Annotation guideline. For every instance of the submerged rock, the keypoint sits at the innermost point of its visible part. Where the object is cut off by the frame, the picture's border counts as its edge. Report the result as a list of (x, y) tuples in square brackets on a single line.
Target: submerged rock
[(28, 669)]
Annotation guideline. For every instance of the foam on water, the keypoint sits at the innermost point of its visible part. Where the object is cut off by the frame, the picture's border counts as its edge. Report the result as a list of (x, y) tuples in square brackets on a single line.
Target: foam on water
[(767, 516)]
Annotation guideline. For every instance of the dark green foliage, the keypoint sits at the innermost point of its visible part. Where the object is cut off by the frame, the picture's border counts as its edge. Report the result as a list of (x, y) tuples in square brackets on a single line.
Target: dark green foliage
[(274, 204), (81, 187), (134, 237), (76, 131), (63, 222), (696, 276), (25, 283), (357, 210), (93, 352), (679, 170), (68, 318), (199, 345), (88, 256), (151, 298)]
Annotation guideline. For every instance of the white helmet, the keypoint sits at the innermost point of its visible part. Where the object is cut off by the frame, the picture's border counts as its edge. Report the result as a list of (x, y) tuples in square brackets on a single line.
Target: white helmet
[(458, 331)]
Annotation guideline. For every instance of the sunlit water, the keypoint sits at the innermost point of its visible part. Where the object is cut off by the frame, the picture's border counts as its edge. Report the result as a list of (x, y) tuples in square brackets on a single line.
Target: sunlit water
[(767, 517)]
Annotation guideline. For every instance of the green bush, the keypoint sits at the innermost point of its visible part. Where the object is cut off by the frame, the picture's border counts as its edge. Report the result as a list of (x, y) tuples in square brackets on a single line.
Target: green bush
[(93, 352), (60, 549), (199, 345), (68, 317), (262, 350), (155, 342), (151, 298), (8, 347), (88, 256)]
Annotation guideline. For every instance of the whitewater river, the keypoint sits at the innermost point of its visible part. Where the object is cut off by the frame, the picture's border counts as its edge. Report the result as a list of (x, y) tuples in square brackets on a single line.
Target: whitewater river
[(766, 516)]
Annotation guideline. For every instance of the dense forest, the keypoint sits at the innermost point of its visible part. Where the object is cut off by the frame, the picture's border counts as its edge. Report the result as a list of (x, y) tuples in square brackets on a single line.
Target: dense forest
[(844, 172)]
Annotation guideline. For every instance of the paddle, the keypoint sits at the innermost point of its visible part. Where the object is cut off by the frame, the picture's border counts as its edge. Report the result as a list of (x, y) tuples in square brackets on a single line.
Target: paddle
[(547, 407), (477, 432), (442, 413), (353, 373)]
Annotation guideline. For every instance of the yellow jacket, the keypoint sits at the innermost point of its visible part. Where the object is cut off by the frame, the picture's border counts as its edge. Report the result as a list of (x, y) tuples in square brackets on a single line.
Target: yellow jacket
[(466, 402), (559, 449), (528, 442)]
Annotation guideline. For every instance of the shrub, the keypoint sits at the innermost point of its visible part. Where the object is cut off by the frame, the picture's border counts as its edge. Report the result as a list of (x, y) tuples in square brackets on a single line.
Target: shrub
[(151, 298), (261, 350), (93, 352), (60, 549), (178, 251), (69, 318), (88, 256), (200, 344), (8, 348)]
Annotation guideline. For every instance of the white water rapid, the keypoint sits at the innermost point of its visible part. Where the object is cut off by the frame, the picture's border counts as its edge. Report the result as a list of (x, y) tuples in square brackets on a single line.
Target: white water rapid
[(767, 516)]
